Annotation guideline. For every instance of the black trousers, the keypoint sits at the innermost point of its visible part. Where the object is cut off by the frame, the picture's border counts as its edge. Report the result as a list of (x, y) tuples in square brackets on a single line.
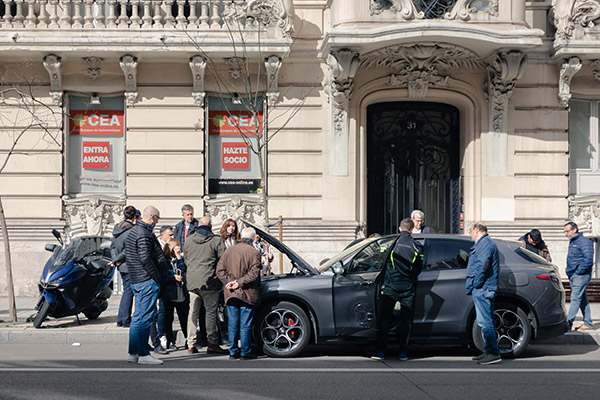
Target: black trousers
[(183, 309), (385, 316)]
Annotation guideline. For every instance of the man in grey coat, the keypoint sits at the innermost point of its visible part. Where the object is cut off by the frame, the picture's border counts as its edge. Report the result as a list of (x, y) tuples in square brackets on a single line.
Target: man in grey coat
[(202, 251)]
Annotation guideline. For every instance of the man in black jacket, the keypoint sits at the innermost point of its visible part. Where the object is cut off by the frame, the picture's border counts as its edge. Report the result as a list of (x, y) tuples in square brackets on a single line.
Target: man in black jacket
[(147, 270), (399, 285), (117, 252)]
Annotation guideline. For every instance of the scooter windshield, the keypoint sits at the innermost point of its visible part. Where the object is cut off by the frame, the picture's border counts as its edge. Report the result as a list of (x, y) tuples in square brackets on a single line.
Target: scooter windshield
[(62, 255)]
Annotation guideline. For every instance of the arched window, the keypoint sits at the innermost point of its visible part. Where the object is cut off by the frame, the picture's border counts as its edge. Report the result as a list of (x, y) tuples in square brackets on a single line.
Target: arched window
[(434, 9)]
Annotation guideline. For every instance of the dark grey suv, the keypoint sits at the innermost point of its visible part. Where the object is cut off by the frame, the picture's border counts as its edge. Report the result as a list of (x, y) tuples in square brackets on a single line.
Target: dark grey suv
[(337, 300)]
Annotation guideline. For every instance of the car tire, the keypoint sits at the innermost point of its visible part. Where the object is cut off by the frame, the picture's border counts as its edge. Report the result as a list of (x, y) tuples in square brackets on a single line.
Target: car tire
[(282, 330), (512, 328)]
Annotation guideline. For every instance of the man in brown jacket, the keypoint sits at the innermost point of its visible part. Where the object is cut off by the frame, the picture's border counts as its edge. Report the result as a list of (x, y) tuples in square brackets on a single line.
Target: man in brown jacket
[(239, 270)]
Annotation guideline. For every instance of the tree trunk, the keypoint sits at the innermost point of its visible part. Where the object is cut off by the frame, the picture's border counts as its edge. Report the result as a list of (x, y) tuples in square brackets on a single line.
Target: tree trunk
[(12, 306)]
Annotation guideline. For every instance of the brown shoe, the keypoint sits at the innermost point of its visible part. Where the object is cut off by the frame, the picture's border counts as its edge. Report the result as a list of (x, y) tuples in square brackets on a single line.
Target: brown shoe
[(192, 350), (215, 349), (584, 328)]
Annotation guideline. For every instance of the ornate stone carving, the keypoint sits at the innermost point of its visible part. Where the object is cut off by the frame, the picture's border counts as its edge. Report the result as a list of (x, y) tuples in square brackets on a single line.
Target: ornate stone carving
[(596, 71), (94, 71), (406, 9), (272, 12), (568, 69), (585, 212), (129, 65), (375, 7), (247, 207), (503, 72), (272, 65), (235, 67), (198, 65), (92, 215), (418, 66), (342, 67), (53, 64), (462, 10), (568, 15)]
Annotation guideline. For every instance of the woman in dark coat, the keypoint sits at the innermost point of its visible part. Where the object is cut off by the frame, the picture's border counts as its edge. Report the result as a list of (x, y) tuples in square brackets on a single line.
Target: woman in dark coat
[(174, 293)]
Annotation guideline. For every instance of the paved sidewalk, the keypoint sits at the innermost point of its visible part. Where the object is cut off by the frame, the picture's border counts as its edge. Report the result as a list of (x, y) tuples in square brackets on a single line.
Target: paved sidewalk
[(104, 330)]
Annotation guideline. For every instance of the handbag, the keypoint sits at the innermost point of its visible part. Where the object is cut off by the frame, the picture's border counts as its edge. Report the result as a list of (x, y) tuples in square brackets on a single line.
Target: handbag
[(180, 298)]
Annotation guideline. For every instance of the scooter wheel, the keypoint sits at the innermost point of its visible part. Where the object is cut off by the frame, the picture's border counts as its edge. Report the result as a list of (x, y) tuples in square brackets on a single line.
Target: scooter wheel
[(43, 311)]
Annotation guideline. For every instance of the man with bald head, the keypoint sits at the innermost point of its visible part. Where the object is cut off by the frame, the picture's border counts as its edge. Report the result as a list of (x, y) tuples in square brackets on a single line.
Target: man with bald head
[(148, 269), (202, 251)]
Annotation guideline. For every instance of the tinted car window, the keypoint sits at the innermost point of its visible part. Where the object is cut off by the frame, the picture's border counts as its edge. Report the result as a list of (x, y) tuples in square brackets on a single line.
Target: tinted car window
[(372, 257), (447, 253)]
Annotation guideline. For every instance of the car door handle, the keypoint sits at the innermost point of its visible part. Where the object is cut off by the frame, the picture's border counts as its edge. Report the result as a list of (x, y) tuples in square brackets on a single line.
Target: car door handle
[(366, 283)]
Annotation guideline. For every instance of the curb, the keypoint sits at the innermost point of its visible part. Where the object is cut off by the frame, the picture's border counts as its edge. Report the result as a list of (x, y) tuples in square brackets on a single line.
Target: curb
[(114, 335)]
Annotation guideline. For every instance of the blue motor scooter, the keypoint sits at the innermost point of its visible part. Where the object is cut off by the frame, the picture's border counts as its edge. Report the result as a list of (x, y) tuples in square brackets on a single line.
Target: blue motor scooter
[(74, 283)]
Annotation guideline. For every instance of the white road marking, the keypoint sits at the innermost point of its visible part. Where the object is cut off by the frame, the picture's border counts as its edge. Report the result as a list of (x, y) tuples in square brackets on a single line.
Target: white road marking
[(482, 369)]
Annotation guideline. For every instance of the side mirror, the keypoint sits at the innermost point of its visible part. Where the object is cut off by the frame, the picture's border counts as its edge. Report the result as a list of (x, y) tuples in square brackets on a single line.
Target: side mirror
[(337, 268), (51, 247), (57, 236)]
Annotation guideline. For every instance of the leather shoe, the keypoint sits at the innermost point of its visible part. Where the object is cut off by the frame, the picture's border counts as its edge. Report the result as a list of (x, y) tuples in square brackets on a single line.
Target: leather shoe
[(160, 350), (234, 356), (584, 328), (215, 349), (192, 350), (248, 357)]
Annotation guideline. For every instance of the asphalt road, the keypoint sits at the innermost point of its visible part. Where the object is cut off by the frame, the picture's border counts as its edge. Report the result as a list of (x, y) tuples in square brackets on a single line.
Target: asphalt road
[(101, 372)]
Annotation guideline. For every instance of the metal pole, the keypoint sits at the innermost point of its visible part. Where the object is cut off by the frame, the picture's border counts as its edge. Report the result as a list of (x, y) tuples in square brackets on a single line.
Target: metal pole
[(280, 219)]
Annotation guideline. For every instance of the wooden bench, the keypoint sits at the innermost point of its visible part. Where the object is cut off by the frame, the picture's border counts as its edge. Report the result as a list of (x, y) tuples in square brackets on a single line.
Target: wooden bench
[(593, 291)]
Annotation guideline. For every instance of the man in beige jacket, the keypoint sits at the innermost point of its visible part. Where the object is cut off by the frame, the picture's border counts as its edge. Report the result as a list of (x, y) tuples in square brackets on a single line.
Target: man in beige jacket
[(239, 270)]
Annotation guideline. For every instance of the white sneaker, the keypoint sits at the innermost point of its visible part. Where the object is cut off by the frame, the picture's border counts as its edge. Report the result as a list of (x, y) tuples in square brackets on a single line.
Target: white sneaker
[(133, 358), (149, 360), (163, 341)]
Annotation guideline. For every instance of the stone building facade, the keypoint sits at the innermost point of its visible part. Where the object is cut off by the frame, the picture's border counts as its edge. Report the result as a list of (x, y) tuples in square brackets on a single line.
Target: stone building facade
[(467, 109)]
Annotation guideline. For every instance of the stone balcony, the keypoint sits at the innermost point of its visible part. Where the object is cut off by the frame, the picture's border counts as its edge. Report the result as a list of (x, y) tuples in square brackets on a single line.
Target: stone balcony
[(153, 29)]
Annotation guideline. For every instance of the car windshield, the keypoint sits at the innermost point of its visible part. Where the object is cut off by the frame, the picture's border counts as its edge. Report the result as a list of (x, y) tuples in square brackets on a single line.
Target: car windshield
[(345, 253), (62, 255)]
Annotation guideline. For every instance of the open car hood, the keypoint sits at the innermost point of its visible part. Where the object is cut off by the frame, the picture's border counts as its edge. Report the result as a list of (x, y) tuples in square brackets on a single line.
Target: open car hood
[(298, 261)]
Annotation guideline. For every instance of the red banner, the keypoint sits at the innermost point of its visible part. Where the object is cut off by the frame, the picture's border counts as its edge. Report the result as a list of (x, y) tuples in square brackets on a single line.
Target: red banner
[(96, 122), (230, 123), (96, 155), (236, 156)]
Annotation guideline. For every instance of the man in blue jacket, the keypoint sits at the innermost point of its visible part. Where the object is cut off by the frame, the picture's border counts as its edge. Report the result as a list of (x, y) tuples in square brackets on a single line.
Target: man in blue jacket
[(482, 283), (580, 260), (148, 269)]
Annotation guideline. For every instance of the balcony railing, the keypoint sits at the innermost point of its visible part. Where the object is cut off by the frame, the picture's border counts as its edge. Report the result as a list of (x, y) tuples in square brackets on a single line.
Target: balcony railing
[(139, 14)]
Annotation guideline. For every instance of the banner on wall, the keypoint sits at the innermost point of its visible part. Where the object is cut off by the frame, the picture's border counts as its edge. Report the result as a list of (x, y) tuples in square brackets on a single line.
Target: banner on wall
[(235, 155), (230, 123), (96, 155), (96, 122)]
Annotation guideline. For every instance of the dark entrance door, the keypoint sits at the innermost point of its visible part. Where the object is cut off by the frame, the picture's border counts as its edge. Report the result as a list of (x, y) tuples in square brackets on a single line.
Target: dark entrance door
[(413, 163)]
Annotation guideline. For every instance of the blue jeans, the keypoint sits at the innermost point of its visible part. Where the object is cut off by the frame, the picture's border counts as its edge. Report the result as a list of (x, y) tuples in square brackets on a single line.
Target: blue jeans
[(483, 300), (145, 294), (579, 299), (239, 320), (124, 315)]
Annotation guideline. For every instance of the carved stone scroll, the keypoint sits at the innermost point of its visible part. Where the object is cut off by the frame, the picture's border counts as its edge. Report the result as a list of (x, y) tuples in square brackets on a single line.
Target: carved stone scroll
[(503, 72), (53, 64), (342, 67), (596, 71), (272, 65), (93, 215), (584, 210), (568, 69), (247, 207), (129, 65), (198, 65)]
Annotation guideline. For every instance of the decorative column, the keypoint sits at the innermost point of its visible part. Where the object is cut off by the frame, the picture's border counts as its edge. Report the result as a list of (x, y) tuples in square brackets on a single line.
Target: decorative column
[(503, 72), (197, 65), (129, 65), (568, 69), (53, 64), (342, 67), (272, 65)]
